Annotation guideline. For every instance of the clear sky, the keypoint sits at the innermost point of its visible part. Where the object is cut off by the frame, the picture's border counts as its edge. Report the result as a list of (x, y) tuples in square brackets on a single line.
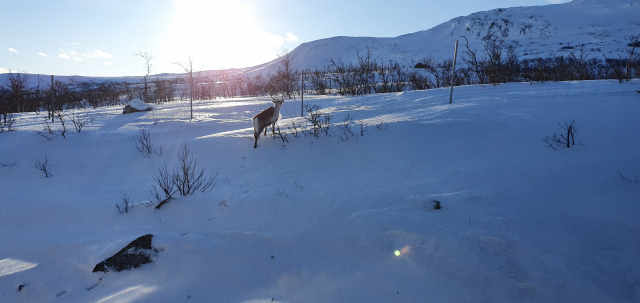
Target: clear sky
[(100, 37)]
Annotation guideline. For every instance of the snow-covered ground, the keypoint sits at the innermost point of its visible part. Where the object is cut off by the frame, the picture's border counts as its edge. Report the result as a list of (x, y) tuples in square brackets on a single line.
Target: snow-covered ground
[(519, 222)]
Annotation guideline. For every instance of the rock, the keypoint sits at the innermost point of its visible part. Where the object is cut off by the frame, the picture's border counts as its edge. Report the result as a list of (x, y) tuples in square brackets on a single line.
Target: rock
[(138, 252), (421, 65), (136, 105)]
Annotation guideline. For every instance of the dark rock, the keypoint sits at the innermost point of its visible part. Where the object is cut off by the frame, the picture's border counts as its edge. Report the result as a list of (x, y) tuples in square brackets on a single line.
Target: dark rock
[(272, 257), (21, 287), (138, 252), (421, 65), (437, 206)]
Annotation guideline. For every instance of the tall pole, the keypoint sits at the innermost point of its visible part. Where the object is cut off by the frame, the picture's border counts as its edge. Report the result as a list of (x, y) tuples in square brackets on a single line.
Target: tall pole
[(453, 71), (302, 95), (52, 108)]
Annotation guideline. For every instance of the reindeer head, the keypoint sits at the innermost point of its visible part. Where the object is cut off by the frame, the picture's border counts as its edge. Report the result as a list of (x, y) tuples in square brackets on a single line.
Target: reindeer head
[(277, 102)]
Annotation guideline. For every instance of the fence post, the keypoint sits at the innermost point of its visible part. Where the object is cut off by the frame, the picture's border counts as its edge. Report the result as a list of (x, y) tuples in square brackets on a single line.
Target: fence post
[(52, 108), (302, 95), (453, 71)]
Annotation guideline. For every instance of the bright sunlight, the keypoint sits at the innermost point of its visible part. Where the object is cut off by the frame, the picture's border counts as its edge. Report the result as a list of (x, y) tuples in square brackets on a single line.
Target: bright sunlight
[(220, 33)]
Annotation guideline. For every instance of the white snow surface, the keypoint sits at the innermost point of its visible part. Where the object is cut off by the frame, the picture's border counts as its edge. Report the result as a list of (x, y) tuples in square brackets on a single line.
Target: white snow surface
[(519, 222), (139, 105)]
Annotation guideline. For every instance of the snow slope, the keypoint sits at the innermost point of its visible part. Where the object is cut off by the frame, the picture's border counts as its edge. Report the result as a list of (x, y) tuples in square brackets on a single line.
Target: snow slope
[(519, 221)]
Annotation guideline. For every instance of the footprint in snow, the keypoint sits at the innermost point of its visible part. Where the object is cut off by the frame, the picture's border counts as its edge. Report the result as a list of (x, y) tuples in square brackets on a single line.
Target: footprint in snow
[(61, 293), (212, 218), (184, 233), (223, 203), (94, 285)]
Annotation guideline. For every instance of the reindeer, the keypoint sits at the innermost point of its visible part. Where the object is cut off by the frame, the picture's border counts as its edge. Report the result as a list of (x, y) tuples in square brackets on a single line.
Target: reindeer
[(262, 120)]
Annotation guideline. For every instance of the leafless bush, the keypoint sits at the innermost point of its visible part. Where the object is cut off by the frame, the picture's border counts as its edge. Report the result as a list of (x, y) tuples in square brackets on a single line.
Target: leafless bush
[(126, 205), (294, 130), (8, 124), (362, 128), (42, 164), (165, 181), (80, 122), (281, 135), (345, 128), (141, 141), (382, 125), (562, 140), (315, 118), (62, 116), (186, 177), (297, 184)]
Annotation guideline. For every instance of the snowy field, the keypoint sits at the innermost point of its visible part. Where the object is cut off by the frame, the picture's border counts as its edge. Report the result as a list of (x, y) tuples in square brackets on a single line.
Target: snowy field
[(520, 222)]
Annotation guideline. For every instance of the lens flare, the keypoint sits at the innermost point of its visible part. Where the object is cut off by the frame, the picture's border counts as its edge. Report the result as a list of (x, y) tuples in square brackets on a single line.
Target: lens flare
[(397, 253)]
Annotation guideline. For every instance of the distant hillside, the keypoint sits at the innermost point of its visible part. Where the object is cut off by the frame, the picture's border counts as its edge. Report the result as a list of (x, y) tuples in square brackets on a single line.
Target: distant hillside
[(597, 26)]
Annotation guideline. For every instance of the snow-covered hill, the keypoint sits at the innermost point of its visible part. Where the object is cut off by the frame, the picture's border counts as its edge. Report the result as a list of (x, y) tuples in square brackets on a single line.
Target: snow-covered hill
[(597, 26)]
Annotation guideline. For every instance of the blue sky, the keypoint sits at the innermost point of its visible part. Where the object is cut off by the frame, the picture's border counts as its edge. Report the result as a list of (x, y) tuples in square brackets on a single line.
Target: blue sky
[(100, 38)]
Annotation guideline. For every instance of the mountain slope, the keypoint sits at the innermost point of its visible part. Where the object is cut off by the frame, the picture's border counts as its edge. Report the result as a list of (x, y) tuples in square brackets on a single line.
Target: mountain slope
[(596, 26)]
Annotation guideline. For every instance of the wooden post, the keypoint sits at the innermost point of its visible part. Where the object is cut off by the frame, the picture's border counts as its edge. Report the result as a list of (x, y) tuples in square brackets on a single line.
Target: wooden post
[(191, 95), (302, 95), (453, 71), (52, 108)]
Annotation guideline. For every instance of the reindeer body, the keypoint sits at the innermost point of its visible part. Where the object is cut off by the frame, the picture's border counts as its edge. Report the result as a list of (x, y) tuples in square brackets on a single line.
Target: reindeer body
[(265, 118)]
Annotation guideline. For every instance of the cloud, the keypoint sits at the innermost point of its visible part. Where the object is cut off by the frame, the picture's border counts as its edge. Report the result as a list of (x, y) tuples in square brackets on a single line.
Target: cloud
[(43, 54), (100, 54), (291, 37), (13, 50), (72, 53), (3, 70), (77, 59), (63, 56), (108, 63), (75, 43)]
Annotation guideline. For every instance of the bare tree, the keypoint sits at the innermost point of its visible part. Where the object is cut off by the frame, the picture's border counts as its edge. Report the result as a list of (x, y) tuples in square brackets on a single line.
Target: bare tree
[(147, 57), (287, 75), (18, 85), (188, 69)]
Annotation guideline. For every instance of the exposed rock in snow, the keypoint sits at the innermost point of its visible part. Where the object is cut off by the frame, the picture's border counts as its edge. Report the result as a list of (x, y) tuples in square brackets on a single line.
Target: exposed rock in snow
[(138, 252), (136, 105)]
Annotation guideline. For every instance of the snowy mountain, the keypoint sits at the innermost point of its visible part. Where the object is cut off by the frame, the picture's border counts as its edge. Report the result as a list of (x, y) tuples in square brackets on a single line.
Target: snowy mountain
[(597, 26)]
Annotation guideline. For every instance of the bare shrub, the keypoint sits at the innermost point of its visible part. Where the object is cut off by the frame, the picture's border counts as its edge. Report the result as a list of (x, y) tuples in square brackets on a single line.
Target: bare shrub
[(186, 177), (294, 130), (80, 122), (126, 205), (562, 140), (42, 164), (362, 128), (165, 181), (141, 141), (62, 117), (382, 125), (281, 135), (10, 120), (345, 128)]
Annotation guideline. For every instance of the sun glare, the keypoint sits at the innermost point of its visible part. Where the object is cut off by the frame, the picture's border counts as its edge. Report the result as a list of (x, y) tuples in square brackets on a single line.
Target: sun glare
[(220, 33)]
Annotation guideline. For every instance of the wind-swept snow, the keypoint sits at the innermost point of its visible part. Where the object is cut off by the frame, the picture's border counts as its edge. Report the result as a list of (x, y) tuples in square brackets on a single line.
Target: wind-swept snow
[(519, 221)]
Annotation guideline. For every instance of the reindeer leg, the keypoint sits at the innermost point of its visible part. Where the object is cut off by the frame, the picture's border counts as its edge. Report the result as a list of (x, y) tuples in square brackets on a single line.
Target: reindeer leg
[(273, 129), (256, 135)]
